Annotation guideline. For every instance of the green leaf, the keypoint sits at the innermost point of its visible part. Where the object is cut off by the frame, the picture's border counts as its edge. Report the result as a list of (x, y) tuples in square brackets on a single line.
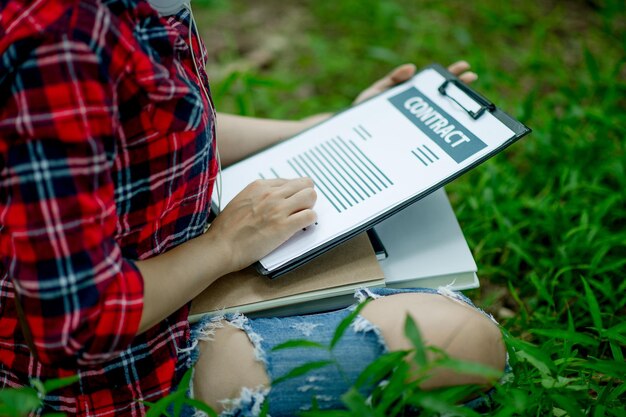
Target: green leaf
[(54, 384), (301, 370), (326, 413), (568, 404), (531, 354), (380, 368), (616, 350), (356, 403), (265, 408), (540, 365), (615, 369), (618, 328), (471, 368), (570, 336), (159, 408), (199, 405), (298, 343), (592, 303), (398, 385), (442, 406), (19, 401), (617, 392), (185, 381), (413, 334), (345, 323)]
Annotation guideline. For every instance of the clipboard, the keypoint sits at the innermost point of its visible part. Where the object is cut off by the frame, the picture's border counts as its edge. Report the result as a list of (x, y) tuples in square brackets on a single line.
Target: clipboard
[(459, 95)]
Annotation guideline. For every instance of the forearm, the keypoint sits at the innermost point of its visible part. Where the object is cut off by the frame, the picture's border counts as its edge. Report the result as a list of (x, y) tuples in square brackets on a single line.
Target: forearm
[(174, 278), (240, 136)]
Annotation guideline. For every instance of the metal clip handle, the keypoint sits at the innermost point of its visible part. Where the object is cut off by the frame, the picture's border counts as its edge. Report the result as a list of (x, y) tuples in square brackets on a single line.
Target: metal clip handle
[(482, 101)]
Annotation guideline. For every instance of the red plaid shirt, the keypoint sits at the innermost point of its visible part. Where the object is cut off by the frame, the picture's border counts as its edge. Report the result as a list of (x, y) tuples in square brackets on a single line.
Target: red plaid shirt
[(106, 156)]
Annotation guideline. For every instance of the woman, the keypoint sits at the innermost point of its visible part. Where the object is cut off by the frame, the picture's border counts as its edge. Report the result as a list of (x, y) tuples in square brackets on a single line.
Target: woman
[(107, 163)]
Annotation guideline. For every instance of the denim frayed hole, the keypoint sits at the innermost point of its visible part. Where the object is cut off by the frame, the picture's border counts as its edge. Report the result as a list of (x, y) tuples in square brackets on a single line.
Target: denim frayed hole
[(241, 322), (363, 325), (249, 403), (207, 330), (363, 294)]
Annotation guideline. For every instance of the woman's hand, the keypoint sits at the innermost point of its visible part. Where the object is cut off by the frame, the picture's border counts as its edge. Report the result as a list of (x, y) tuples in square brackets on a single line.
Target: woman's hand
[(261, 217), (406, 71)]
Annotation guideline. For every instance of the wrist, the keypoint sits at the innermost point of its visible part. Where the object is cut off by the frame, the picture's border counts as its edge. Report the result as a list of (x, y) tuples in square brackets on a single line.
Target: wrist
[(216, 252)]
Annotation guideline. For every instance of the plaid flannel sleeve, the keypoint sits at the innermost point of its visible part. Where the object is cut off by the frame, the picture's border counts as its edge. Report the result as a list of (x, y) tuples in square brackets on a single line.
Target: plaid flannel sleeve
[(81, 299)]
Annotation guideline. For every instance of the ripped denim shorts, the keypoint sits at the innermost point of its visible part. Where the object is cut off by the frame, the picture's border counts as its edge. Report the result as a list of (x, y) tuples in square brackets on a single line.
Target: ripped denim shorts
[(361, 344)]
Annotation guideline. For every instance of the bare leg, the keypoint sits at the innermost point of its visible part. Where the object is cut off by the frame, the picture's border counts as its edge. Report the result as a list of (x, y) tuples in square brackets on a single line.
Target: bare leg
[(452, 325), (228, 363)]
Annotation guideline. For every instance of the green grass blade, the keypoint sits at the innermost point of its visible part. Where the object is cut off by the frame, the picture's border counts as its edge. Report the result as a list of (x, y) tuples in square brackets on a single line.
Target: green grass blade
[(54, 384), (470, 368), (570, 336), (301, 370), (357, 403), (298, 343), (199, 405), (345, 323), (380, 368), (568, 404), (326, 413), (592, 304), (413, 334)]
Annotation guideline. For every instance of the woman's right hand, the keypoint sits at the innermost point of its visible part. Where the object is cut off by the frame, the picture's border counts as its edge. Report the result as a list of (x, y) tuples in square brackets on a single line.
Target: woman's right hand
[(261, 217)]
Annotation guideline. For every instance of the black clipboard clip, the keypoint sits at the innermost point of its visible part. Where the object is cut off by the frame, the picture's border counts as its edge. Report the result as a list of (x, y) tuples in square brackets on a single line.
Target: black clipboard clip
[(482, 101)]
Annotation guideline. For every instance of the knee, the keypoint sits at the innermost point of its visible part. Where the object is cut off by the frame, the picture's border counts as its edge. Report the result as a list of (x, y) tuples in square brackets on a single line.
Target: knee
[(451, 325), (225, 366)]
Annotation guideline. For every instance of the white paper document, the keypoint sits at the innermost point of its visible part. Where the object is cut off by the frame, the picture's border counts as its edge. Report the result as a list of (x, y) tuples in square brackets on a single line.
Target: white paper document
[(371, 158)]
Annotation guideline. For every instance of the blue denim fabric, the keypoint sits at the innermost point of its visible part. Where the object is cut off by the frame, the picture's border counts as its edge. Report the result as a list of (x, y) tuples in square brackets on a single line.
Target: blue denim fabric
[(355, 350), (358, 347)]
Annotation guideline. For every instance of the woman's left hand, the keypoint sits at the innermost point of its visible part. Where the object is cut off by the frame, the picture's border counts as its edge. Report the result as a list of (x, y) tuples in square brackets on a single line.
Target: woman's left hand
[(406, 71)]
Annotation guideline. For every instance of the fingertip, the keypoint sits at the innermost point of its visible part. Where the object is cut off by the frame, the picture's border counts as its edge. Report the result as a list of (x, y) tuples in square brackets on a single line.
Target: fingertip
[(403, 72), (469, 77), (409, 66), (459, 67)]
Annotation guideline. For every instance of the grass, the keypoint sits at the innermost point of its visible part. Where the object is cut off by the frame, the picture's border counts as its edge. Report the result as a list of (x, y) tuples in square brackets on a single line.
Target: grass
[(545, 220)]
